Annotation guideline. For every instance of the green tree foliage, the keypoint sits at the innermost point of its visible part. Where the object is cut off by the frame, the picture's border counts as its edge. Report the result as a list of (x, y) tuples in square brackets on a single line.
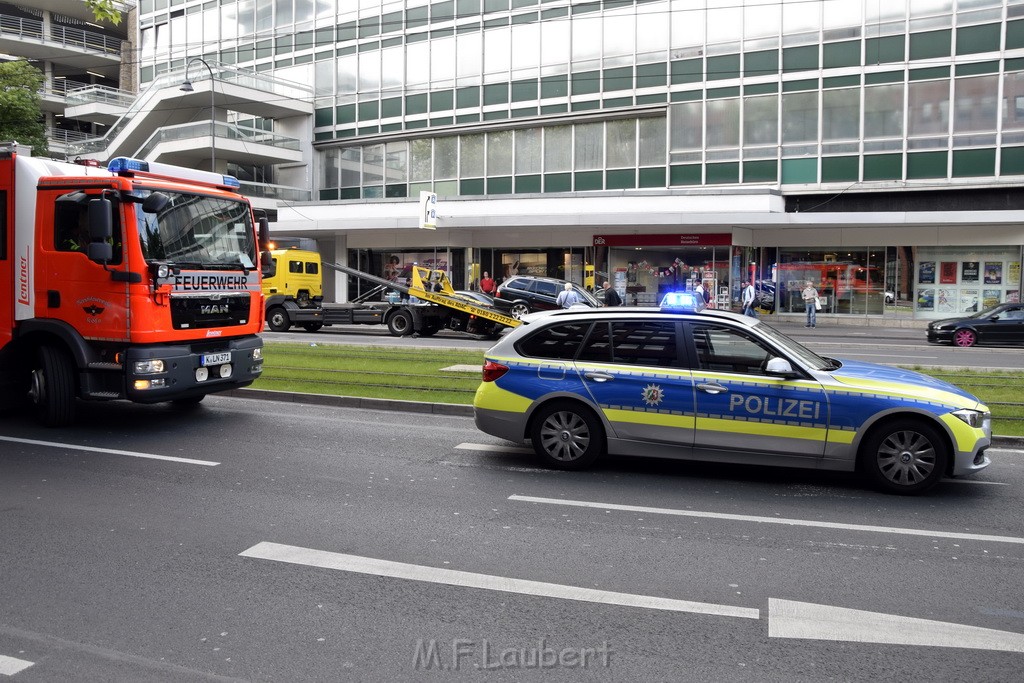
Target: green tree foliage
[(104, 10), (20, 118)]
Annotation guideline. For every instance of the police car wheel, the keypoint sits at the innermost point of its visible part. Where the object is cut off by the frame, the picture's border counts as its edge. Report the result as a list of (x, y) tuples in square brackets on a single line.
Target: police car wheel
[(566, 436), (905, 456)]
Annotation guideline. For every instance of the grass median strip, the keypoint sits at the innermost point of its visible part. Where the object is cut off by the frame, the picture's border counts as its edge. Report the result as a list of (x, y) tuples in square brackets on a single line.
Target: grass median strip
[(423, 375)]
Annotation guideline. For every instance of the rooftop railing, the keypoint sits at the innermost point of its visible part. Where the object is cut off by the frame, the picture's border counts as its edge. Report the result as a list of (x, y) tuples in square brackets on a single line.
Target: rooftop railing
[(33, 29)]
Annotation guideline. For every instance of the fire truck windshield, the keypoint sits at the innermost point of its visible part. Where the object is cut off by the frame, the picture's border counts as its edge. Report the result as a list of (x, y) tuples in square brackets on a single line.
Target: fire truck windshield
[(196, 230)]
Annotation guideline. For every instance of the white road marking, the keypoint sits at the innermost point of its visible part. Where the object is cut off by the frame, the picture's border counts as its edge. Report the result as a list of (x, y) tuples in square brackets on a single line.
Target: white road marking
[(110, 451), (492, 448), (771, 520), (450, 577), (788, 619), (974, 481), (11, 665)]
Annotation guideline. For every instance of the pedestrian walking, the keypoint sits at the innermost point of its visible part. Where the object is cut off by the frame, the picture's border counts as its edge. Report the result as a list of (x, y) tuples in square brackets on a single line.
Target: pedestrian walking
[(567, 297), (749, 296), (810, 297), (611, 297)]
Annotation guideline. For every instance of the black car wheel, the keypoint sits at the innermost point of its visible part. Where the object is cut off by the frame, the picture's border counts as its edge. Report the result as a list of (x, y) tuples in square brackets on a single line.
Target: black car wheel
[(566, 436), (312, 327), (905, 456), (965, 338), (519, 309)]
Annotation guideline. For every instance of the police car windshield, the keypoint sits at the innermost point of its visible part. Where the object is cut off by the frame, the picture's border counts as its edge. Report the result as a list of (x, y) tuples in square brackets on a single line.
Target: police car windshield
[(794, 348)]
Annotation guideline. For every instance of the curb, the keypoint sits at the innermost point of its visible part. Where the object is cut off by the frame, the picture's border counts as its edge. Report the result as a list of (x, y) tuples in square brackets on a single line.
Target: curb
[(454, 409)]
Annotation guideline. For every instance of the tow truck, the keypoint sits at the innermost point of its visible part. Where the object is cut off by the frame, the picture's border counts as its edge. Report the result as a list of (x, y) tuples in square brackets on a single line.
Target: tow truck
[(425, 306)]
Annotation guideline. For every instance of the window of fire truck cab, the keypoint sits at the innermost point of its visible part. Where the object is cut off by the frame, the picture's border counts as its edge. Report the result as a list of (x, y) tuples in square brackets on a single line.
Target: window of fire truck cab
[(198, 230), (71, 226)]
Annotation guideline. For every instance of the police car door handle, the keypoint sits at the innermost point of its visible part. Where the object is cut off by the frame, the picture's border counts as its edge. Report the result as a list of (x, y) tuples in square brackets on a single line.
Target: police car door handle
[(599, 376), (712, 388)]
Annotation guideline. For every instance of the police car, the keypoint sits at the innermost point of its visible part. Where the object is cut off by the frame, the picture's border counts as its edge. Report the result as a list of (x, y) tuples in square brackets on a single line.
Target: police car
[(685, 382)]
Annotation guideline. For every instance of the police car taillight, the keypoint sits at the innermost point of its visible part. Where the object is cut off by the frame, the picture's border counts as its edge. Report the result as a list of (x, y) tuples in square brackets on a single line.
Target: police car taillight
[(493, 371), (683, 302)]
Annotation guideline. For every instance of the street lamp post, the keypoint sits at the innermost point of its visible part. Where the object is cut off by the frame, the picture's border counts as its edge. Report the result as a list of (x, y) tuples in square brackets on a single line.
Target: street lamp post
[(187, 87)]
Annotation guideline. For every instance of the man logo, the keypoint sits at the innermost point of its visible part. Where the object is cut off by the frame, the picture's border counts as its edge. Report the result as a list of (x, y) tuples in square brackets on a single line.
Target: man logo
[(211, 309)]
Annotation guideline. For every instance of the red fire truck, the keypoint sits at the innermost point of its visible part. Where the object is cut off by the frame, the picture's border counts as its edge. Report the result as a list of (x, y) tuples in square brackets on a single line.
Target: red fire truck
[(140, 281)]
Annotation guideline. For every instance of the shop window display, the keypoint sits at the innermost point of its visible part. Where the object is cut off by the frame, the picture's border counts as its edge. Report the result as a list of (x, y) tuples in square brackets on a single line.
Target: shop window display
[(949, 281)]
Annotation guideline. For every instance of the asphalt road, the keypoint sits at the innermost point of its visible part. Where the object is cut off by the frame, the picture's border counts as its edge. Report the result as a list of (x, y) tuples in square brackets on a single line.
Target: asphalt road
[(886, 345), (272, 541)]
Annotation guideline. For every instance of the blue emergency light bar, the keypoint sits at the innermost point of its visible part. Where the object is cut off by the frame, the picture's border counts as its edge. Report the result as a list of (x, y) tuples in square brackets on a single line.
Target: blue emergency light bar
[(126, 165), (686, 302)]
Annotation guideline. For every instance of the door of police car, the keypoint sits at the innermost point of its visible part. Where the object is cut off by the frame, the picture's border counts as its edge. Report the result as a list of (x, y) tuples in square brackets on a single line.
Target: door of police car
[(740, 408), (635, 372)]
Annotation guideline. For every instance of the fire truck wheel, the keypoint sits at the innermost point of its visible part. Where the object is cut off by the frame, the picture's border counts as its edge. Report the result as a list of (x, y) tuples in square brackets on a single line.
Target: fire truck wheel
[(428, 331), (277, 319), (190, 402), (312, 327), (400, 324), (52, 387)]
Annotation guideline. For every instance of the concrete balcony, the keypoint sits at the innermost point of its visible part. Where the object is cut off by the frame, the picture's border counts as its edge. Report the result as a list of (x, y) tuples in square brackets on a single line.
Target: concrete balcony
[(190, 144), (85, 50), (53, 95), (97, 103)]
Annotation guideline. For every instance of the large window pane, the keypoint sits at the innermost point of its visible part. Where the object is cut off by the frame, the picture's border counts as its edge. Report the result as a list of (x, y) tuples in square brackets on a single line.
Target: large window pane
[(840, 114), (652, 141), (445, 158), (555, 43), (974, 104), (800, 117), (397, 162), (557, 149), (391, 60), (687, 126), (525, 46), (928, 108), (589, 152), (651, 27), (497, 50), (499, 153), (1013, 101), (761, 120), (883, 111), (442, 62), (723, 123), (762, 19), (350, 171), (619, 33), (369, 72), (471, 156), (373, 164), (469, 48), (330, 173), (417, 63), (421, 151), (528, 151), (586, 37), (348, 78), (620, 137)]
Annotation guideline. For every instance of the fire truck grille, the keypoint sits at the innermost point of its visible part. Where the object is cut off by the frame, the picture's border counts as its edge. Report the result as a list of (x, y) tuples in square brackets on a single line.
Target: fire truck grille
[(198, 312)]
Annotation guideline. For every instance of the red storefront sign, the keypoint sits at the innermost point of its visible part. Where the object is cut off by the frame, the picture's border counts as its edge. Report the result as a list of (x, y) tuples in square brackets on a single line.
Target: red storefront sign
[(722, 239)]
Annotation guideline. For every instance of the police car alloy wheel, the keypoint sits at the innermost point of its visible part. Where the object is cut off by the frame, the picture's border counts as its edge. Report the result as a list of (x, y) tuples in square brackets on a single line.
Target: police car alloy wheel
[(905, 456), (566, 436)]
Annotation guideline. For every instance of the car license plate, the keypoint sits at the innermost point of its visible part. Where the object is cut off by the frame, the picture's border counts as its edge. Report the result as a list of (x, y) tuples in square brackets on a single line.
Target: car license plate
[(215, 358)]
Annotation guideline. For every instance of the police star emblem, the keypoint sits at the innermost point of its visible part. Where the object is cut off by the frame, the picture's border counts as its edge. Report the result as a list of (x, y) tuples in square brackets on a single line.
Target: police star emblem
[(652, 395)]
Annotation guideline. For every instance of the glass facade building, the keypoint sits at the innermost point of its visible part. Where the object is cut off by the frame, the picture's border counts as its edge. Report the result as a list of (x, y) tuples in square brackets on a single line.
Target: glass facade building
[(849, 110)]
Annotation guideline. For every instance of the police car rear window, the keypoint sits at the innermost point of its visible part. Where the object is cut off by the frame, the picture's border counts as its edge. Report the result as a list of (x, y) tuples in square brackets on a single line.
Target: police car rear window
[(633, 342), (557, 342)]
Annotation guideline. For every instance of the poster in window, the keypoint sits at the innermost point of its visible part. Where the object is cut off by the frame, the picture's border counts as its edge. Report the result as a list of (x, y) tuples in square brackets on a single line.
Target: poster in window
[(926, 299), (969, 271), (969, 300), (945, 301), (947, 273), (993, 272), (1013, 273), (926, 273), (990, 298), (1013, 296)]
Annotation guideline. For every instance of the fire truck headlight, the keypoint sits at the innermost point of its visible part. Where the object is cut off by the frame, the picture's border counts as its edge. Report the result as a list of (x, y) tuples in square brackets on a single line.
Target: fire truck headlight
[(149, 367), (257, 354), (163, 271)]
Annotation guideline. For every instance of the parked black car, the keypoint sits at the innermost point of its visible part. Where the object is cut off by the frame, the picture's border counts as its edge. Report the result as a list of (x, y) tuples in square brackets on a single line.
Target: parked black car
[(527, 294), (1003, 324), (484, 299)]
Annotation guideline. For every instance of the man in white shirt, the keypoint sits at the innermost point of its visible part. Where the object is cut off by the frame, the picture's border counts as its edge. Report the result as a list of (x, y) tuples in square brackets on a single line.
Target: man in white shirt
[(748, 301), (567, 297)]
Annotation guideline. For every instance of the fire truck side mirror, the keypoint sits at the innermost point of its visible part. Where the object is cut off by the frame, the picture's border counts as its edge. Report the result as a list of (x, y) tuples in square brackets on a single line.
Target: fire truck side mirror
[(264, 232), (101, 229)]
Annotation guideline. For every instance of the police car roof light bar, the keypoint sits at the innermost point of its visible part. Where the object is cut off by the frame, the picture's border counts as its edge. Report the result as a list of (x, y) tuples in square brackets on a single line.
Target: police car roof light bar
[(129, 166), (687, 302)]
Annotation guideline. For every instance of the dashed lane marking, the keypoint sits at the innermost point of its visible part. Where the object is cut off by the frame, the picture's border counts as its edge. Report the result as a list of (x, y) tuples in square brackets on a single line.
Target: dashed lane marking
[(771, 520), (400, 570), (109, 451), (12, 665), (492, 448)]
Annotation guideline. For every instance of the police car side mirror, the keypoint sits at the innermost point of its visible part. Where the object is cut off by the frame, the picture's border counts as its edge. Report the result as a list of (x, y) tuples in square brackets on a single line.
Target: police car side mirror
[(780, 367)]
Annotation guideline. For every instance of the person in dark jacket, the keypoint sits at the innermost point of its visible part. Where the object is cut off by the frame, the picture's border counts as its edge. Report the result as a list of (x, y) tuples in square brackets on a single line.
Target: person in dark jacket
[(611, 297)]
